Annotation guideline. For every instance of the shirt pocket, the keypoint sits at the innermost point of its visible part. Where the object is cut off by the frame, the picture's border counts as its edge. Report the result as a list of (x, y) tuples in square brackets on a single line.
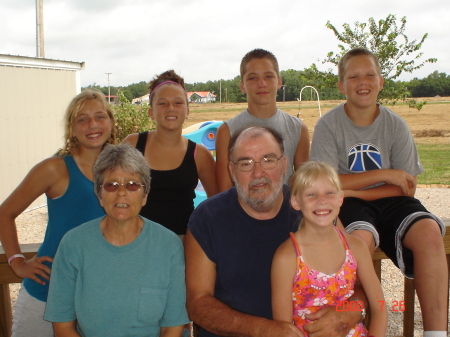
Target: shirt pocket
[(152, 303)]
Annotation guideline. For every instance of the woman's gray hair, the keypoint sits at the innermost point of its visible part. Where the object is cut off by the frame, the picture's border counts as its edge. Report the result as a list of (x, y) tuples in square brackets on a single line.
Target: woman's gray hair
[(122, 156)]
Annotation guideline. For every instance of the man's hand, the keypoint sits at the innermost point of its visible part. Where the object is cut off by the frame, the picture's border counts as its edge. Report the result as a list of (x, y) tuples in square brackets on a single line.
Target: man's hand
[(329, 322), (269, 328)]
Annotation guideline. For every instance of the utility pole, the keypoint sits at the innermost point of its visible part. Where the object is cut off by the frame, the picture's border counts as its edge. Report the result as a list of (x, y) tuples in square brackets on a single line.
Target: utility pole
[(109, 90), (40, 29), (220, 90)]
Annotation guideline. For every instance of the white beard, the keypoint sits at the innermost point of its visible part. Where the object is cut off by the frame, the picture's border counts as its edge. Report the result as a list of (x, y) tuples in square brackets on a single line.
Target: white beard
[(258, 200)]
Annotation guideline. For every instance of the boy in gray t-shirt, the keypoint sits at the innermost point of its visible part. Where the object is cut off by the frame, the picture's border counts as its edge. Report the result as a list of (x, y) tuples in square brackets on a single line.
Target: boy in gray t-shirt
[(376, 158), (260, 81)]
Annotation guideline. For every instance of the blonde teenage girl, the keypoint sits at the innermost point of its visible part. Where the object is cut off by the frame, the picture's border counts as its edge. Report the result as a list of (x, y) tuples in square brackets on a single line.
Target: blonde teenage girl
[(67, 180), (319, 264)]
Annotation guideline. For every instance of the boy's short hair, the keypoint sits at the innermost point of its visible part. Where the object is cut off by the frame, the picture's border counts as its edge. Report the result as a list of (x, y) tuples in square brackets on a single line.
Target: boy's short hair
[(352, 53), (258, 53)]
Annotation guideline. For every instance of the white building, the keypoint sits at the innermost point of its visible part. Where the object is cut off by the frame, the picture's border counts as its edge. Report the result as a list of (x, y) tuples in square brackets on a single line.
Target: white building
[(34, 94), (201, 97)]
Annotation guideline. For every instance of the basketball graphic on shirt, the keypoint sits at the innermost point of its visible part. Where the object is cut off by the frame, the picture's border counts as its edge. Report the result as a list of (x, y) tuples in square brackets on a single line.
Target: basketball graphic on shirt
[(364, 157)]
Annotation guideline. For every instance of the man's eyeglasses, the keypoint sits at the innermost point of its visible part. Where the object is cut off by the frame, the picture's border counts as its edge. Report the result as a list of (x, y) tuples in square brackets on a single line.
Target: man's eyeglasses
[(246, 165), (113, 186)]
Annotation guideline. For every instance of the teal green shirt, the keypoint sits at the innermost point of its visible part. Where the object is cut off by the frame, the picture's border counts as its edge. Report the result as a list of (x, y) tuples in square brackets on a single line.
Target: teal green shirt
[(130, 290)]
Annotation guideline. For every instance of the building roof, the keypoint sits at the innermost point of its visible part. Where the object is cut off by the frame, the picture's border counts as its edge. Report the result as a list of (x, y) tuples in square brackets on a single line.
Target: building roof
[(38, 62), (200, 93)]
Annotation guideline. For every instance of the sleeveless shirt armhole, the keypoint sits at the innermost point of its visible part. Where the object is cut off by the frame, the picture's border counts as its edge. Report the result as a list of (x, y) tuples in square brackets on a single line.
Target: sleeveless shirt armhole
[(142, 141), (195, 151), (294, 241)]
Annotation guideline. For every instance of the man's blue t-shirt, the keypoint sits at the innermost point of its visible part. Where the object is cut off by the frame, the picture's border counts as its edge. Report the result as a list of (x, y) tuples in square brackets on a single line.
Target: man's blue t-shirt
[(242, 248)]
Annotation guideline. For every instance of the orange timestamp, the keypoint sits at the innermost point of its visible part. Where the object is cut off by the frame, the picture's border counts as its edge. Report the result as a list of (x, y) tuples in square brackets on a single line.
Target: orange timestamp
[(349, 306), (359, 305), (395, 306)]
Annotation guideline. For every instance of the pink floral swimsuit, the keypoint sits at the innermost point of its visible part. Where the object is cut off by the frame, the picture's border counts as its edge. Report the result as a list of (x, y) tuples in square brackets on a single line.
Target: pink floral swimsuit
[(313, 290)]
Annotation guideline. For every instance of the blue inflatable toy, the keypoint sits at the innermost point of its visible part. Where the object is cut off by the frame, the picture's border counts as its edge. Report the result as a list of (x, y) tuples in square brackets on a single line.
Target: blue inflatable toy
[(203, 133)]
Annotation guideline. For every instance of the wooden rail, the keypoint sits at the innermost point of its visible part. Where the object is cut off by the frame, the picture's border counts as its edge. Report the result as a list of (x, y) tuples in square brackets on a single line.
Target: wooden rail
[(7, 277)]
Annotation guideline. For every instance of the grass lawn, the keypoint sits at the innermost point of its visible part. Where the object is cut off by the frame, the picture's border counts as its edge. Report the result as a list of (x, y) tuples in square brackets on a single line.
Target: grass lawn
[(435, 160)]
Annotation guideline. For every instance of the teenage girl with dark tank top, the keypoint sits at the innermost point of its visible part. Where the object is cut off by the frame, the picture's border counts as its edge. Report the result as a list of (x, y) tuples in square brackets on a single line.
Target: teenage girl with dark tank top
[(67, 181), (176, 163)]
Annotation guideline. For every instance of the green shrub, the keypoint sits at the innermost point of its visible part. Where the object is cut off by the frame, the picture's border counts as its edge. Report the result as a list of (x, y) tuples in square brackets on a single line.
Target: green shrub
[(130, 118), (414, 104)]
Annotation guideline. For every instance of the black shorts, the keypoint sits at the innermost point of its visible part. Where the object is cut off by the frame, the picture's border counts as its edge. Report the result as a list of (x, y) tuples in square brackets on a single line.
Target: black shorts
[(390, 218)]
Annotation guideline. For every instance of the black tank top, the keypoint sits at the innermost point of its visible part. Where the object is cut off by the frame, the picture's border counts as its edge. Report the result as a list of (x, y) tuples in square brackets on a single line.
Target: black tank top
[(170, 201)]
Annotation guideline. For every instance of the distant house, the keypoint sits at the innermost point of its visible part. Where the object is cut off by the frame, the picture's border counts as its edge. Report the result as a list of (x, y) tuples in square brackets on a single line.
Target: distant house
[(201, 97), (112, 99), (194, 97), (140, 100)]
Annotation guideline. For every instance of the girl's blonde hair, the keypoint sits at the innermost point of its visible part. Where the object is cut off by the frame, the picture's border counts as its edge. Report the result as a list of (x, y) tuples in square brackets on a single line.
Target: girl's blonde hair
[(77, 103), (309, 172)]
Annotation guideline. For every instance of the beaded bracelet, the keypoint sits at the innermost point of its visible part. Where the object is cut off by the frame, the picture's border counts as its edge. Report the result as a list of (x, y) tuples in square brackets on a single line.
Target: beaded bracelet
[(13, 257)]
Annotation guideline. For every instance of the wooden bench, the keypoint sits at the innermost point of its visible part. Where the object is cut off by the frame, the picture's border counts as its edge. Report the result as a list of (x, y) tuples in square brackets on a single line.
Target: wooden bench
[(7, 276), (29, 250)]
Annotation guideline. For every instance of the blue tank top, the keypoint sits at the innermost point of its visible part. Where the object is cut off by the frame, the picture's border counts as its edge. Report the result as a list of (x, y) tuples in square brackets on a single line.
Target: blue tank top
[(75, 207)]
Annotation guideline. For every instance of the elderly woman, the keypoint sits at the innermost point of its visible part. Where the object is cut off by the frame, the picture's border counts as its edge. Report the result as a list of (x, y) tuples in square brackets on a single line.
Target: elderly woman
[(120, 275)]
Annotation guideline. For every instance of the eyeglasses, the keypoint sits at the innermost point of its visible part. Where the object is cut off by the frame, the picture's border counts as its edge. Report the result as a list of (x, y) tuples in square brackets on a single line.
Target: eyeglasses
[(114, 186), (246, 165)]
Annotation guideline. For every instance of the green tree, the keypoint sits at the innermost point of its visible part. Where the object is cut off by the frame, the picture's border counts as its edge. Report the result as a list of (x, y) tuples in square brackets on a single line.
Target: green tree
[(234, 90), (138, 89), (130, 118), (126, 92), (295, 80), (388, 41), (434, 84), (292, 81)]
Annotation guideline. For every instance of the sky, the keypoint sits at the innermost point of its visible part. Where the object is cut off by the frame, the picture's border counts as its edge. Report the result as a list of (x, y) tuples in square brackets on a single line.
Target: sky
[(206, 39)]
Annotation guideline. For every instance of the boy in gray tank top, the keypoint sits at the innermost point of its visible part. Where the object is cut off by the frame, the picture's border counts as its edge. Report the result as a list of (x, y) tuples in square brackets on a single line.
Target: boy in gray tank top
[(260, 81)]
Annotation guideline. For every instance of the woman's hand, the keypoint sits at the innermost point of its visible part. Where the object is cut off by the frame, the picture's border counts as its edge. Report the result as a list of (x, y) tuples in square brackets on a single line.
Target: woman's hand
[(31, 268)]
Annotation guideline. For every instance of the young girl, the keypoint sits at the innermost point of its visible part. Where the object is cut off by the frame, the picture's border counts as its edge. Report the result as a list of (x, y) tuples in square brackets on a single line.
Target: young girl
[(67, 181), (318, 265), (175, 162)]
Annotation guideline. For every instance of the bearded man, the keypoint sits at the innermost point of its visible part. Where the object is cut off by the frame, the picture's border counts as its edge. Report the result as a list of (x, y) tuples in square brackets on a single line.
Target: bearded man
[(231, 240)]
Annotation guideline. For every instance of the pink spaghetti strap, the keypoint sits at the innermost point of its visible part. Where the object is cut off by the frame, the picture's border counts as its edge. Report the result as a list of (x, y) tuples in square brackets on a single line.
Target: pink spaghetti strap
[(344, 240), (294, 241), (195, 151)]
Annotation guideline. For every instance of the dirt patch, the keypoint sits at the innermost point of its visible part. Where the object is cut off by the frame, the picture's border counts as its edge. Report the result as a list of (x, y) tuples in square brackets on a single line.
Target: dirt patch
[(432, 133), (435, 115)]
